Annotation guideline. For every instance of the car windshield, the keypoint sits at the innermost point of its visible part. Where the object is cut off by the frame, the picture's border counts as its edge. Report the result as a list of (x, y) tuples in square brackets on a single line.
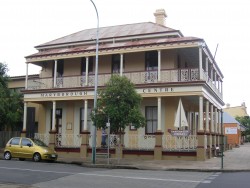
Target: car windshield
[(39, 143)]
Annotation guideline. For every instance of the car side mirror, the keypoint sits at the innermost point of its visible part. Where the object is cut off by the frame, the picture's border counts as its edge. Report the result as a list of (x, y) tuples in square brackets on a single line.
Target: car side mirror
[(29, 144)]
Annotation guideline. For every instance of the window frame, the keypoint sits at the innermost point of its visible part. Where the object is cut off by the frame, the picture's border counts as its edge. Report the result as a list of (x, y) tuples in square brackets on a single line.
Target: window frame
[(152, 120), (82, 119)]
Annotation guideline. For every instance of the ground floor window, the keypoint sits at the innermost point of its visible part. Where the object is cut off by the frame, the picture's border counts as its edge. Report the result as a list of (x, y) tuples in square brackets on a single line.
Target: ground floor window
[(89, 122), (151, 119)]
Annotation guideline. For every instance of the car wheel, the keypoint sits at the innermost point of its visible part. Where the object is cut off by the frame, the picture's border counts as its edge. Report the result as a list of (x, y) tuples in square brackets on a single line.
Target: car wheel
[(36, 157), (7, 155), (21, 159)]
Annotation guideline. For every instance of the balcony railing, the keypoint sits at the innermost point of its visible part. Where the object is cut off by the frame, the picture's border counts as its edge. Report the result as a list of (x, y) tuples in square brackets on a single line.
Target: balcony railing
[(172, 75), (181, 143)]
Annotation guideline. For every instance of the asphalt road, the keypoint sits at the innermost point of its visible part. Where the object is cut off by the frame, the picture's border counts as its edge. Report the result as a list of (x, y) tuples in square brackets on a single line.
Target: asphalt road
[(54, 175)]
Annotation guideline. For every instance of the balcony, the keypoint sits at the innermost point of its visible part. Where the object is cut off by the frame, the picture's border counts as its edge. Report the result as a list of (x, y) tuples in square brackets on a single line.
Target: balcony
[(145, 77)]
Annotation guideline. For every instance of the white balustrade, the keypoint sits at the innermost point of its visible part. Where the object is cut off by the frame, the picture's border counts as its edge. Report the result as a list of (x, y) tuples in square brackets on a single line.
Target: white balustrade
[(139, 142), (173, 75), (67, 140), (43, 137), (179, 143)]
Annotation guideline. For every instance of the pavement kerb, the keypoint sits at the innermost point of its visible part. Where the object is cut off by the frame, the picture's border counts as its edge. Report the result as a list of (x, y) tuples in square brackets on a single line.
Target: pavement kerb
[(112, 166)]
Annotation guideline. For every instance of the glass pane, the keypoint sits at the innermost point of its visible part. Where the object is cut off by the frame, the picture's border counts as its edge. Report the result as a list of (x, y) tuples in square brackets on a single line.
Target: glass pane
[(149, 127), (148, 113), (155, 113), (154, 126)]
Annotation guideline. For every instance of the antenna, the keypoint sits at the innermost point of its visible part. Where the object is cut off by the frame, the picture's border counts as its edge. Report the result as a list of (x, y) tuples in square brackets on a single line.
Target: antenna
[(216, 50)]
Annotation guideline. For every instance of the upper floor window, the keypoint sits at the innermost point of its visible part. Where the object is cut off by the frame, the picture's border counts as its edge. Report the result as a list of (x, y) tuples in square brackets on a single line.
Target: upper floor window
[(151, 119), (83, 65), (151, 60), (116, 63)]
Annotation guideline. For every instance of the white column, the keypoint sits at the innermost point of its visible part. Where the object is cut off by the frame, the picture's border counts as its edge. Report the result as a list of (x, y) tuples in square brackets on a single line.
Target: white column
[(55, 71), (201, 114), (215, 80), (221, 89), (159, 65), (121, 64), (87, 71), (212, 118), (219, 121), (24, 116), (212, 73), (159, 114), (85, 125), (26, 78), (216, 120), (207, 116), (200, 63), (54, 117), (219, 84), (206, 64)]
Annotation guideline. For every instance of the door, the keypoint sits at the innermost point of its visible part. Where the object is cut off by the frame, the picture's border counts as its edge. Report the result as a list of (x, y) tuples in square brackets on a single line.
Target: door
[(14, 147), (30, 128), (26, 150)]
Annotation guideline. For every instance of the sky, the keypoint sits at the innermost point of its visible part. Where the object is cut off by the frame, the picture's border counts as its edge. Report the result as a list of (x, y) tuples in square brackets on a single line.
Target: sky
[(226, 23)]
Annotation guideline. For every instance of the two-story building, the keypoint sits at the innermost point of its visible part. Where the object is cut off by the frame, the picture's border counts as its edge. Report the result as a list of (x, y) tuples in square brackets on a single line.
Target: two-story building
[(170, 71)]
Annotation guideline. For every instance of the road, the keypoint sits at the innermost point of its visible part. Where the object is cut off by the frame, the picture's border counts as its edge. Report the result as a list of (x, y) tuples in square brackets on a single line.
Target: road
[(54, 175)]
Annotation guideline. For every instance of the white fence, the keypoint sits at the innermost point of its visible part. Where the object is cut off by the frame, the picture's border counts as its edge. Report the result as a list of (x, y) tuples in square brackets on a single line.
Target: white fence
[(139, 141), (179, 143), (42, 137), (131, 141), (68, 140)]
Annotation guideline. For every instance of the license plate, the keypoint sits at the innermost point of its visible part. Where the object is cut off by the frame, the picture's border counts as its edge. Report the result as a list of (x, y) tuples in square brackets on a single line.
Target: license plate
[(53, 155)]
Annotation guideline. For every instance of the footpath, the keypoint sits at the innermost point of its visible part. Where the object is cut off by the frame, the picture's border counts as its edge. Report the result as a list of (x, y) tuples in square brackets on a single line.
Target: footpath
[(235, 160)]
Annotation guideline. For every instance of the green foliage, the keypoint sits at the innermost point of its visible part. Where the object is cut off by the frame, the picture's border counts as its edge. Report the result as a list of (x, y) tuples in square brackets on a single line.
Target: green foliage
[(120, 103), (245, 120), (11, 106)]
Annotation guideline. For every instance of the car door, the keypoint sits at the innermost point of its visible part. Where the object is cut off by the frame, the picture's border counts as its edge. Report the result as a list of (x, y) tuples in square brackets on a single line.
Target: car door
[(26, 150), (14, 147)]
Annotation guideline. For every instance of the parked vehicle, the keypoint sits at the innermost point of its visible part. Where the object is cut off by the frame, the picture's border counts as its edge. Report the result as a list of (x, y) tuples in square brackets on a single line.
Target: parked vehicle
[(26, 148)]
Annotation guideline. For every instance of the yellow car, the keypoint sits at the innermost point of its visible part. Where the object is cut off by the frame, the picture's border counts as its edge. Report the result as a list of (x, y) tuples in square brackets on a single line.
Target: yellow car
[(26, 148)]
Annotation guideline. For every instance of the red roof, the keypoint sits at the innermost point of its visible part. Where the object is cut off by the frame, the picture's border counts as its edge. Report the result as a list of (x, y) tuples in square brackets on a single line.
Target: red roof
[(87, 36), (110, 32)]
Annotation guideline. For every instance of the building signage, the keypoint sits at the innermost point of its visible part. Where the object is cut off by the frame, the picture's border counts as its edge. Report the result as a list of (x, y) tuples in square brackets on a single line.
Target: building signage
[(91, 93), (158, 90), (64, 94), (231, 130), (179, 132)]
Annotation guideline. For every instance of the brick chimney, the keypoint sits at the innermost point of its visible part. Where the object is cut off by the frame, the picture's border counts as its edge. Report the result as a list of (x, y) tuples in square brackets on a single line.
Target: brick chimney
[(160, 17)]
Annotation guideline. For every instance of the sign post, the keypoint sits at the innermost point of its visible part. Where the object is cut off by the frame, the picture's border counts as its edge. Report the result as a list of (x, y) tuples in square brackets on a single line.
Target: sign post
[(108, 125)]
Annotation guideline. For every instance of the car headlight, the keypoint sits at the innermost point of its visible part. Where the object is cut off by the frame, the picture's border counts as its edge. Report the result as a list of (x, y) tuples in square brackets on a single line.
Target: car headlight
[(46, 151)]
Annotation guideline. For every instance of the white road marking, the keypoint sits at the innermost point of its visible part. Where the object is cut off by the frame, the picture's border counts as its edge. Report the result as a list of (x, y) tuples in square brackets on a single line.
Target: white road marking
[(206, 181), (103, 175), (140, 178)]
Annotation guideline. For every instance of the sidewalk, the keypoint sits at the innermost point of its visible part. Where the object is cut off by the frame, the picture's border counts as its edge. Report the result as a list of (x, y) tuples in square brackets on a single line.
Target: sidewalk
[(237, 159)]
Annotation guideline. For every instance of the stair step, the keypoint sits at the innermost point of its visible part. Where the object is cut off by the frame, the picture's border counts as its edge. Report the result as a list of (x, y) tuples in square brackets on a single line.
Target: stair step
[(102, 155)]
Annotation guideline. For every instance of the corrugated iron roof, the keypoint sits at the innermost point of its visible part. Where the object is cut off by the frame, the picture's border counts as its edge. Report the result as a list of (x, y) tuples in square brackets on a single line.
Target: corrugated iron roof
[(92, 47), (110, 32)]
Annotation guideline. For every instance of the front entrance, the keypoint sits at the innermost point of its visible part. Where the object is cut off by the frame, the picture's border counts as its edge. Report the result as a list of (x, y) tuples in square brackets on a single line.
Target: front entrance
[(58, 125), (31, 126)]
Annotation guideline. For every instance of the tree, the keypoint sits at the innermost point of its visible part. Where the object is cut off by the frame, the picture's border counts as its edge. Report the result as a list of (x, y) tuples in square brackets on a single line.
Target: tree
[(119, 102), (244, 120), (11, 106)]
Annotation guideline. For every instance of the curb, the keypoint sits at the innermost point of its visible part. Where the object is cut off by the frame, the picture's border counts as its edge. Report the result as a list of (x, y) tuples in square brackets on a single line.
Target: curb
[(112, 166)]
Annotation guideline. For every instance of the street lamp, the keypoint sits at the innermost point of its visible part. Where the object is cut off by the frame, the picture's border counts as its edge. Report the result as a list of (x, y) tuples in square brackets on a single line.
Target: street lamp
[(96, 83)]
